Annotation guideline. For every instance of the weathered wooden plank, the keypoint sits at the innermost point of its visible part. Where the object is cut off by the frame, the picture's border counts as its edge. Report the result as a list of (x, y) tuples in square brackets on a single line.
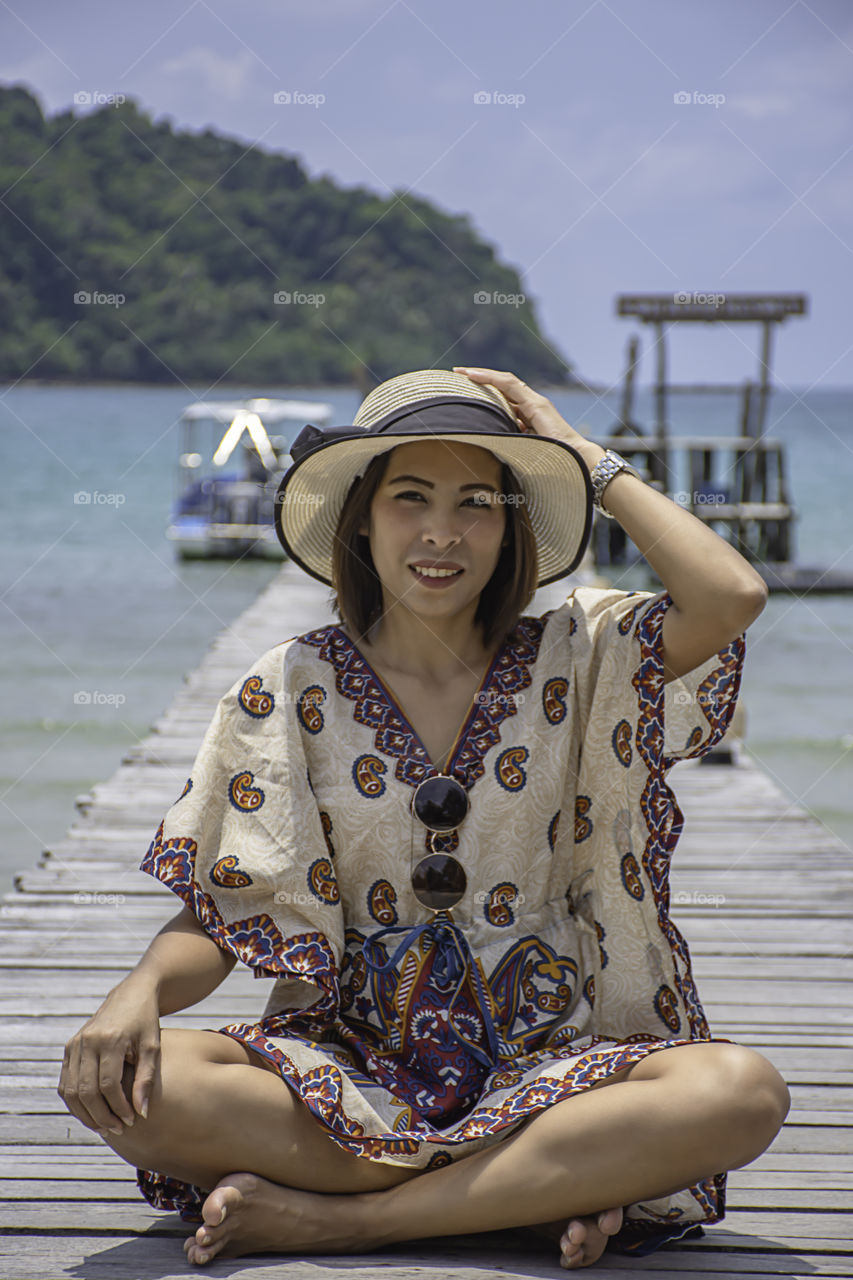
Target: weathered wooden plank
[(72, 1169), (762, 1037), (65, 1151), (801, 1200), (121, 1256), (788, 1226), (826, 1097), (798, 935), (816, 1076), (801, 1181), (811, 1139), (69, 1190)]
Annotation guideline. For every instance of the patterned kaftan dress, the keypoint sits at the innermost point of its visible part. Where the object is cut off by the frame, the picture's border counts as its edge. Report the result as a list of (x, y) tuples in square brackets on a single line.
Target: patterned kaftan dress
[(419, 1039)]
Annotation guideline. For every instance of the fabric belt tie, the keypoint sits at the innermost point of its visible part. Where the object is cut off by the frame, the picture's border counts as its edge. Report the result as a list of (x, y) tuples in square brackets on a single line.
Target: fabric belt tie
[(450, 964)]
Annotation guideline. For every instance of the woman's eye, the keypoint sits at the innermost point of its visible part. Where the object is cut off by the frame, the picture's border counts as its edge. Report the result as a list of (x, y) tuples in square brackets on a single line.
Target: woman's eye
[(476, 500)]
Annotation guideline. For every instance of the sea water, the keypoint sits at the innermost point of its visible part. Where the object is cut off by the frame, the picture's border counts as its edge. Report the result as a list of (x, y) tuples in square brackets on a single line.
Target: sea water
[(95, 601)]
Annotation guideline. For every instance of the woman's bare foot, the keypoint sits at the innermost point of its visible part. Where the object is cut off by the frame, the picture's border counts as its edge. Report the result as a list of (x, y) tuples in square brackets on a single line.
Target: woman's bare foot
[(245, 1213), (583, 1240)]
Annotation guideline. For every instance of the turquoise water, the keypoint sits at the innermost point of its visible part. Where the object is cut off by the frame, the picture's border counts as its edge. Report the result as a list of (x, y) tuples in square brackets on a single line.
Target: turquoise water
[(94, 599)]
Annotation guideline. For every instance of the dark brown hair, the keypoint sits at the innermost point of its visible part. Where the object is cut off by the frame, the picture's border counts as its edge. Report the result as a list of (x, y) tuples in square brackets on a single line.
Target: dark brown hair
[(357, 598)]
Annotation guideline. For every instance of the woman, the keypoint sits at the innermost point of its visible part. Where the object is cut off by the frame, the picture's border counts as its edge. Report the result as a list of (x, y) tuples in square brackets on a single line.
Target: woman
[(443, 828)]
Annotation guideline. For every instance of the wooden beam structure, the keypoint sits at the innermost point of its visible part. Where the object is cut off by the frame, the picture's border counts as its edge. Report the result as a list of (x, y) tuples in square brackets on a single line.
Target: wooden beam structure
[(664, 309)]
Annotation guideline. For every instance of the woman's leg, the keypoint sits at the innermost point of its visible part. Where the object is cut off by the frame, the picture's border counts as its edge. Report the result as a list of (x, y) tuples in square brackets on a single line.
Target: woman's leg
[(677, 1116), (203, 1123), (212, 1111)]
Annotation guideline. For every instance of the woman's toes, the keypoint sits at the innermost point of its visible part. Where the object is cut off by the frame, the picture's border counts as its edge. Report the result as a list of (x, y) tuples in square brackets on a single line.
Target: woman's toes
[(217, 1206), (572, 1242), (195, 1255), (609, 1221), (211, 1236), (585, 1239)]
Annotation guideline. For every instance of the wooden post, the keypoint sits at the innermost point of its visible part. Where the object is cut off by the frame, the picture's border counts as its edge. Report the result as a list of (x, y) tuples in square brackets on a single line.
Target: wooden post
[(626, 409), (746, 409), (660, 386), (764, 383), (659, 462), (786, 530)]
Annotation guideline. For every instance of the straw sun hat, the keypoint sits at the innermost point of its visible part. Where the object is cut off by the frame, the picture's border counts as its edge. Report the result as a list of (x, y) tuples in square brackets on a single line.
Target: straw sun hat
[(432, 403)]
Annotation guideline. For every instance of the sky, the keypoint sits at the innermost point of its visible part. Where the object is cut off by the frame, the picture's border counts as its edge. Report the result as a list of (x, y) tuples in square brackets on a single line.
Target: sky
[(602, 146)]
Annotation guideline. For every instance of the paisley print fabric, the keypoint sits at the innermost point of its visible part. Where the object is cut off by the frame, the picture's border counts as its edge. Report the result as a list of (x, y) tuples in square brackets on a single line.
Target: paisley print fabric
[(415, 1038)]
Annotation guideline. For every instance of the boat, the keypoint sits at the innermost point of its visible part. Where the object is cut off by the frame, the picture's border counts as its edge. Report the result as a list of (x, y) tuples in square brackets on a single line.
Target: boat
[(227, 480)]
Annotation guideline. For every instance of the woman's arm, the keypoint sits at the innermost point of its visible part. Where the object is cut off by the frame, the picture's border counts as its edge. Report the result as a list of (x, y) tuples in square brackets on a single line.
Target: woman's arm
[(716, 593), (181, 966)]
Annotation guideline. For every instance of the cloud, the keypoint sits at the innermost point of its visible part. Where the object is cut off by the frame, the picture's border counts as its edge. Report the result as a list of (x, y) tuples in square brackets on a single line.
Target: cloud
[(226, 77)]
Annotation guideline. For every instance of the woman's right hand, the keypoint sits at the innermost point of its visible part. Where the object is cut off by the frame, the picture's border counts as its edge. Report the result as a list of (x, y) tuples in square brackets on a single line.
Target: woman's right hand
[(125, 1029)]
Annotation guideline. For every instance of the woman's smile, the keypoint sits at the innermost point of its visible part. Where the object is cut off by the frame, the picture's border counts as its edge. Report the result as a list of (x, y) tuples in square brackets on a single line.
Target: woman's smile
[(435, 577)]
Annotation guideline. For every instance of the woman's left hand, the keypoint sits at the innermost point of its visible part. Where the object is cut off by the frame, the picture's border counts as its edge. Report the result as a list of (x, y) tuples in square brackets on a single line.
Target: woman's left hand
[(536, 414)]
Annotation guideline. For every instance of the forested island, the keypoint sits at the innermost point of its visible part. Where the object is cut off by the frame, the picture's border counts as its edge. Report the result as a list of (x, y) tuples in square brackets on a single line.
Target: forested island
[(135, 252)]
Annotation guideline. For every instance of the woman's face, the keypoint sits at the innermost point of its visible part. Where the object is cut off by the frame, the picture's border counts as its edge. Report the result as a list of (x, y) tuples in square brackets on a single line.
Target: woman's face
[(438, 503)]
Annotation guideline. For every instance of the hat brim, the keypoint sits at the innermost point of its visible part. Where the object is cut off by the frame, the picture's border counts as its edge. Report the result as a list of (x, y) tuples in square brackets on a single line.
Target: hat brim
[(552, 475)]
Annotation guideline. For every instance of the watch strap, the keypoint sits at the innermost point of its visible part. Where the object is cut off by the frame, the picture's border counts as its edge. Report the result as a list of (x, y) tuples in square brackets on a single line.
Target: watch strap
[(603, 472)]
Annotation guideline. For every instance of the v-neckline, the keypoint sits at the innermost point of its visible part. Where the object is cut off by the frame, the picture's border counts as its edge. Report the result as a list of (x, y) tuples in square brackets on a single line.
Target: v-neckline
[(388, 694)]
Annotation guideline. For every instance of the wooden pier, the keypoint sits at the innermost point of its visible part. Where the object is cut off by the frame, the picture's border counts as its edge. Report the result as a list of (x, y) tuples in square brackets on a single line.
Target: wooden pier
[(763, 893)]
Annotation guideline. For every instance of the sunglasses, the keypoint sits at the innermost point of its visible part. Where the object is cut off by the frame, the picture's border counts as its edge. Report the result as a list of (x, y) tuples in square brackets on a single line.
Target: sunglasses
[(438, 880)]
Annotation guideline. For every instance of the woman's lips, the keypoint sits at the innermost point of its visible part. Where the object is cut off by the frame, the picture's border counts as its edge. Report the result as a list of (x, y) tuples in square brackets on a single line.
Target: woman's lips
[(436, 582)]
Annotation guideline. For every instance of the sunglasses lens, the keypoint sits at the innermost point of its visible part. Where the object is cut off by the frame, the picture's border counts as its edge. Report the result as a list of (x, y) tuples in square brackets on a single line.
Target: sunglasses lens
[(439, 881), (440, 803)]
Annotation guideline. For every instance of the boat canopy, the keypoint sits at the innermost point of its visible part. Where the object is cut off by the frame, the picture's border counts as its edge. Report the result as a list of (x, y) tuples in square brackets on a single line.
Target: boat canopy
[(268, 410), (253, 416)]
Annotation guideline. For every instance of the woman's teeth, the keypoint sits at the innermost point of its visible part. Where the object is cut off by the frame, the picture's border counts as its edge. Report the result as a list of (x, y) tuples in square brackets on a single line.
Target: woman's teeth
[(435, 573)]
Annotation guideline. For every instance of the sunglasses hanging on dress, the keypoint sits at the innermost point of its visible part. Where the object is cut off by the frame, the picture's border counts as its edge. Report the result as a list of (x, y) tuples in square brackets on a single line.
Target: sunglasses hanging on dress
[(438, 880)]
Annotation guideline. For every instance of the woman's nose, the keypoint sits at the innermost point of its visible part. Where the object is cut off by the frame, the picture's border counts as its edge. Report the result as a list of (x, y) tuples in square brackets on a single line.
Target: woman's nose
[(442, 533), (444, 527)]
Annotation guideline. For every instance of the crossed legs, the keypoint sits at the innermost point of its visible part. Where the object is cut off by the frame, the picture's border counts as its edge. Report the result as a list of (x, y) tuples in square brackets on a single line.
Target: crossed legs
[(675, 1117), (212, 1111)]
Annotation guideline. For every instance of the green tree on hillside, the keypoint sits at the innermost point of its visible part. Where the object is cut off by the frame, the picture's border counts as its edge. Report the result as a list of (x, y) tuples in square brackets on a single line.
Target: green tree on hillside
[(181, 242)]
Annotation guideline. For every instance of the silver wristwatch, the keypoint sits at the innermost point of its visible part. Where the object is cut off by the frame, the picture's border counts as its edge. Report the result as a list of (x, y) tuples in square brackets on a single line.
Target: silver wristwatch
[(603, 472)]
